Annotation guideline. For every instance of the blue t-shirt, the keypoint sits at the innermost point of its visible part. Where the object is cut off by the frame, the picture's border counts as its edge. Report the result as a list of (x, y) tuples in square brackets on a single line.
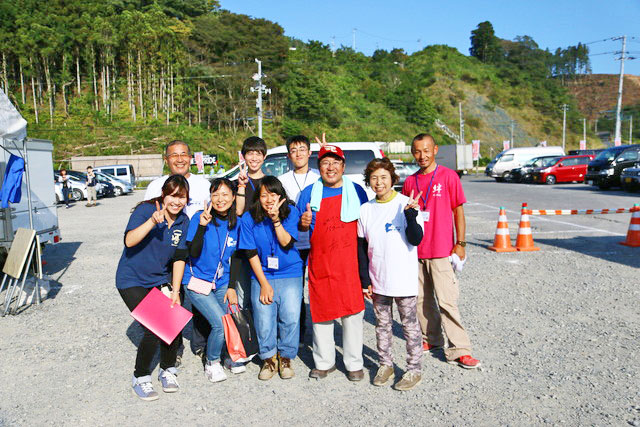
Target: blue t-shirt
[(204, 267), (148, 263), (305, 197), (262, 237)]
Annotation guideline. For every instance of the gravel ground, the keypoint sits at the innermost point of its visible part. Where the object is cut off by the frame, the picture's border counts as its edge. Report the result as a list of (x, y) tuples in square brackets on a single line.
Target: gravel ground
[(558, 333)]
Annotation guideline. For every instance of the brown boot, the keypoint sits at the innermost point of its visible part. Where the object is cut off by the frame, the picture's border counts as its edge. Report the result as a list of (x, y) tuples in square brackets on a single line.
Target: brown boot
[(269, 368), (285, 369)]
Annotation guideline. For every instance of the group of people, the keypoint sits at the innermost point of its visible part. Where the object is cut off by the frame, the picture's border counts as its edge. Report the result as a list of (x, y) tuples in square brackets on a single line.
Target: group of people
[(90, 182), (249, 243)]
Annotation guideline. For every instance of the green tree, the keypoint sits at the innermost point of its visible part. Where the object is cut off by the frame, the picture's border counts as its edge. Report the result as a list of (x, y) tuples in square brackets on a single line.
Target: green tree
[(484, 44)]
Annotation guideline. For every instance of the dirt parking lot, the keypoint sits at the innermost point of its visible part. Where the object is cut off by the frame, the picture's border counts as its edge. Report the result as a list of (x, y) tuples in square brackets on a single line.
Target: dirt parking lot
[(557, 331)]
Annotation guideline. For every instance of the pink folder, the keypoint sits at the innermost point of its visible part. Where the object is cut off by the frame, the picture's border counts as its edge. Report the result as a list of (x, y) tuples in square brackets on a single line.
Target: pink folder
[(155, 313)]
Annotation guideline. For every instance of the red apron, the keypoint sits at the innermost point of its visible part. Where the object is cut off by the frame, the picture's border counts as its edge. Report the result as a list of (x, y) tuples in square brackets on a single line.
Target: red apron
[(334, 283)]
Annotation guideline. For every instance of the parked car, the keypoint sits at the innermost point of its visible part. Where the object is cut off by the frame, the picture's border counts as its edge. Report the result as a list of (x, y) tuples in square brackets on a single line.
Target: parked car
[(605, 170), (403, 170), (120, 187), (358, 155), (103, 189), (525, 173), (630, 178), (123, 172), (77, 189), (501, 166), (578, 152), (563, 169)]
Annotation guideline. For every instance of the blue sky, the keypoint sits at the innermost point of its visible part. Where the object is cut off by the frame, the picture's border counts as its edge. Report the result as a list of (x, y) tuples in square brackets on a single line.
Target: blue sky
[(388, 24)]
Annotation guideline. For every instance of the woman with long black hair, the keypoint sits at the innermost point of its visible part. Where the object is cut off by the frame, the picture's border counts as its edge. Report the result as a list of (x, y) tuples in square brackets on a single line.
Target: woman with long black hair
[(153, 239), (268, 232)]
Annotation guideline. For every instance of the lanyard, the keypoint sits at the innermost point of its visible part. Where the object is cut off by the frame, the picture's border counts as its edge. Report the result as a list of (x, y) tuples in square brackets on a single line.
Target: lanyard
[(271, 237), (222, 251), (425, 199), (252, 186), (305, 180)]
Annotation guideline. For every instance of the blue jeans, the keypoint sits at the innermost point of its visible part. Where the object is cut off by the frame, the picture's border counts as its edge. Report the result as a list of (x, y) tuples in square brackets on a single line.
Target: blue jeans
[(278, 324), (212, 307)]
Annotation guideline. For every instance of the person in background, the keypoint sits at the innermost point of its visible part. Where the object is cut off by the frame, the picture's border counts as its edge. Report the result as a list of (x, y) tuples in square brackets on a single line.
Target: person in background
[(440, 210), (154, 245), (330, 209), (64, 180), (388, 236), (177, 155), (91, 187), (212, 239), (253, 151), (268, 234), (294, 181)]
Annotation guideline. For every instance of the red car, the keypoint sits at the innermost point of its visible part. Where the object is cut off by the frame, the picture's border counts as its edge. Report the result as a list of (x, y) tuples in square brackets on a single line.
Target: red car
[(564, 169)]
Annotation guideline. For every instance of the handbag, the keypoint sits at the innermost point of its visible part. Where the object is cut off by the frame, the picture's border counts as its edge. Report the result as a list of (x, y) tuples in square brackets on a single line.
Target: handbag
[(240, 334), (202, 286)]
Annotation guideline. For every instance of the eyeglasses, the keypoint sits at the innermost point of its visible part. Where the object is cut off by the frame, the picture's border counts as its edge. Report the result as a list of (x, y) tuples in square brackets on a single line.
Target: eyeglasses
[(328, 163), (303, 150), (176, 156)]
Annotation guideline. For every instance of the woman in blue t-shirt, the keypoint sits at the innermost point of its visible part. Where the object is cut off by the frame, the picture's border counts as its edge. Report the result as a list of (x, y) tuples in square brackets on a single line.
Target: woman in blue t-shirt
[(155, 237), (212, 239), (268, 232)]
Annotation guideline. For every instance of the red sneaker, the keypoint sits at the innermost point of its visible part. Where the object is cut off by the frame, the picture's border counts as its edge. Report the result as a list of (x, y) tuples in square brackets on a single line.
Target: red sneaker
[(428, 347), (466, 362)]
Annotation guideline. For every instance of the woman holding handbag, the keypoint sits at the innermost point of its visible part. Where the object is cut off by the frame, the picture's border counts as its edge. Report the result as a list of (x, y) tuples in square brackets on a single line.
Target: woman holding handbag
[(153, 240), (268, 232), (212, 239)]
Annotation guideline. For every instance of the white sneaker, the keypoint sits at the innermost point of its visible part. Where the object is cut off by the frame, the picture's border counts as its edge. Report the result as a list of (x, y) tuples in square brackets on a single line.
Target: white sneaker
[(234, 367), (214, 372)]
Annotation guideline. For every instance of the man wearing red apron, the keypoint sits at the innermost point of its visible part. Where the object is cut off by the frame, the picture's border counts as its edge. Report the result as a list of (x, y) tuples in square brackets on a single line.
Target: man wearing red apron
[(330, 209)]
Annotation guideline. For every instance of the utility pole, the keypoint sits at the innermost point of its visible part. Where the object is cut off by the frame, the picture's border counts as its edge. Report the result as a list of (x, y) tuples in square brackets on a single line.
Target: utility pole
[(461, 123), (512, 124), (584, 130), (618, 134), (630, 129), (333, 43), (564, 125), (260, 88), (353, 43)]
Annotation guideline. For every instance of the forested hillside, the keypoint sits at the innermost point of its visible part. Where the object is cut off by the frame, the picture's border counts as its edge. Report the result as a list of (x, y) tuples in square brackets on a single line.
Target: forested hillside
[(126, 76)]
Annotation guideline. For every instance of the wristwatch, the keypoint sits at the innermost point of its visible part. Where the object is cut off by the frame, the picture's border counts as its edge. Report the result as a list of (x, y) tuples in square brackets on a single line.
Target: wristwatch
[(462, 243)]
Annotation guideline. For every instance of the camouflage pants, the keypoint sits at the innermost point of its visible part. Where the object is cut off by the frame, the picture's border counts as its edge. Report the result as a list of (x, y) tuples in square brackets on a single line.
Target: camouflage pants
[(407, 308)]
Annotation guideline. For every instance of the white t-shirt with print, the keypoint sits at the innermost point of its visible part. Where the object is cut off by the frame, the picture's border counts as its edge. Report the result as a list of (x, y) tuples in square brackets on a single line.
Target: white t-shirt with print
[(198, 192), (293, 184), (393, 261)]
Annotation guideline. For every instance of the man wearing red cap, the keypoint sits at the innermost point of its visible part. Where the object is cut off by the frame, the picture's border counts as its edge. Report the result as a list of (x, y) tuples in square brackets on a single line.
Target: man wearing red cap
[(330, 209)]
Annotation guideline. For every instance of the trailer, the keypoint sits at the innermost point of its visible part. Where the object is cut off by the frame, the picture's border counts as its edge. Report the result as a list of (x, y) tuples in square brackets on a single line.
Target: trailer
[(37, 207), (457, 157)]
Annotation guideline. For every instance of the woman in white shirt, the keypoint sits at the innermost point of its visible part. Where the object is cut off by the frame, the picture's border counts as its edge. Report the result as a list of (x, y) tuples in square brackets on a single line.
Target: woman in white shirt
[(388, 236)]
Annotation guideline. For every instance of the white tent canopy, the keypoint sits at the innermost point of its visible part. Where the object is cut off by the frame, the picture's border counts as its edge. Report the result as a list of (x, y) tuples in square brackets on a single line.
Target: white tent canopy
[(12, 124)]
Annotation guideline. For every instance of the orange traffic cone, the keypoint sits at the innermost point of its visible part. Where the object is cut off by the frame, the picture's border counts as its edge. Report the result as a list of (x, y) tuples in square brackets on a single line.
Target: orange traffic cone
[(524, 240), (502, 241), (633, 235)]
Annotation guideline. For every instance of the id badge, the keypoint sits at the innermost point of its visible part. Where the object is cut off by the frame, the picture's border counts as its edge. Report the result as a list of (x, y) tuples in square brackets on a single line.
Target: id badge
[(219, 272), (425, 215), (272, 262)]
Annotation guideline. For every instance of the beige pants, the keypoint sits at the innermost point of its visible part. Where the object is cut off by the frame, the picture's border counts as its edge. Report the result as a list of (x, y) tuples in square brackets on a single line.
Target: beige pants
[(438, 307), (91, 195), (324, 345)]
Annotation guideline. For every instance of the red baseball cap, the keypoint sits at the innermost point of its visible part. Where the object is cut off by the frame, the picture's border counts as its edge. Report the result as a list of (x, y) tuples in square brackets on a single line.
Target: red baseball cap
[(331, 149)]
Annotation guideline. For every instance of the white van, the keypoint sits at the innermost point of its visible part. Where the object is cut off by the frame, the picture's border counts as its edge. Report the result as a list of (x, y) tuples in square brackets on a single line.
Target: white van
[(358, 155), (512, 158), (122, 172)]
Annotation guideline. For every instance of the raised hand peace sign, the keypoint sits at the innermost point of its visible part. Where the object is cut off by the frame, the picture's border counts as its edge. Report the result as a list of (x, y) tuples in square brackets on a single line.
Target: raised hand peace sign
[(205, 216), (158, 216), (322, 142), (243, 178), (274, 210), (413, 203)]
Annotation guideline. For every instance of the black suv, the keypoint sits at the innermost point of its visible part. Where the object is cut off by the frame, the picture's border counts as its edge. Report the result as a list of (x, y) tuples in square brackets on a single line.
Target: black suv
[(604, 171)]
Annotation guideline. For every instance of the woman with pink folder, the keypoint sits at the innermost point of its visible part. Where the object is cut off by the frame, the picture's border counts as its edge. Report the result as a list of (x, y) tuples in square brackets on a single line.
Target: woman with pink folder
[(155, 237), (212, 239)]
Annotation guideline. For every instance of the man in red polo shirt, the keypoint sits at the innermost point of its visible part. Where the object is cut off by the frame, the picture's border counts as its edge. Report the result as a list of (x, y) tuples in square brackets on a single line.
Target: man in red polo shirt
[(441, 208)]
